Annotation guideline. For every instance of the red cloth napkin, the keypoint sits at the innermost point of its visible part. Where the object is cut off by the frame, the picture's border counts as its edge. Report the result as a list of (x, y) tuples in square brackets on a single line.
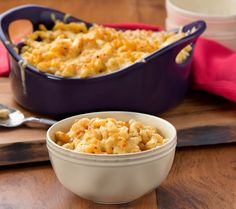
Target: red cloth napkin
[(213, 69), (4, 63)]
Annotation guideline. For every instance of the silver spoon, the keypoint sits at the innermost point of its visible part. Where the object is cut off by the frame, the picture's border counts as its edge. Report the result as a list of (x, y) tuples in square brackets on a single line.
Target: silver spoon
[(17, 118)]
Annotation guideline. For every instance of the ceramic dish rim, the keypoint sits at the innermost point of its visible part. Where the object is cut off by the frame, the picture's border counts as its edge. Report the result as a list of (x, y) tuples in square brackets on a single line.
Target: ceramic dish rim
[(213, 18), (164, 147), (124, 70)]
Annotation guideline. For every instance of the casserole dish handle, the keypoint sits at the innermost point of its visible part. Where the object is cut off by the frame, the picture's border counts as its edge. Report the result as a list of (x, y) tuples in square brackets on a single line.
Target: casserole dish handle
[(36, 15), (198, 27)]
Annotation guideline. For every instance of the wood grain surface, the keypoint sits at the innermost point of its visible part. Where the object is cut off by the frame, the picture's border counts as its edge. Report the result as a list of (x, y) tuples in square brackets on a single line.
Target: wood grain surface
[(22, 144), (30, 142), (38, 188), (201, 177)]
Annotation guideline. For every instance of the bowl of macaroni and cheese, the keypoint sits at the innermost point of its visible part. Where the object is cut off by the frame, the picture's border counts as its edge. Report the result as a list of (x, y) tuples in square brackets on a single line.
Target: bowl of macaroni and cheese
[(75, 66), (111, 157)]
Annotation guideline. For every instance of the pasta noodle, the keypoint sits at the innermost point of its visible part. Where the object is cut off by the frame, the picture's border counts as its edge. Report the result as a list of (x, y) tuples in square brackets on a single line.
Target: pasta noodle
[(74, 50), (109, 136), (4, 113)]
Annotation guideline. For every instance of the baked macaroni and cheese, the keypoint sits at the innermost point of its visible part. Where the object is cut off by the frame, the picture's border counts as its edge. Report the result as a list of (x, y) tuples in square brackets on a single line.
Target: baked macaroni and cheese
[(4, 113), (109, 136), (74, 50)]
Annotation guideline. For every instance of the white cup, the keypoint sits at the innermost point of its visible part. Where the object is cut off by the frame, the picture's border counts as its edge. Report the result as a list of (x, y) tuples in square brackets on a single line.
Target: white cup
[(219, 15)]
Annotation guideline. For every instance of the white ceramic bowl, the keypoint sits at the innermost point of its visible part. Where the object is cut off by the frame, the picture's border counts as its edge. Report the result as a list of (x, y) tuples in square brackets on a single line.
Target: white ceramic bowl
[(219, 15), (117, 178)]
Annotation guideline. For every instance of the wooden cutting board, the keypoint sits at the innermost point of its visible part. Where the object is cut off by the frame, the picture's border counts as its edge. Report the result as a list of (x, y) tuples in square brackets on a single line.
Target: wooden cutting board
[(22, 144), (201, 119)]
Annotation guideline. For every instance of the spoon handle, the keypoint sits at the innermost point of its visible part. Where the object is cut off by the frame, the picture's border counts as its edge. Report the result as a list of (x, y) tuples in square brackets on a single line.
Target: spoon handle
[(40, 120)]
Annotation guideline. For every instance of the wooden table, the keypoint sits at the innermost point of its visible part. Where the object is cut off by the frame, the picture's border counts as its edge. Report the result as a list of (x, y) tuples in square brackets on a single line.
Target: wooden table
[(201, 177)]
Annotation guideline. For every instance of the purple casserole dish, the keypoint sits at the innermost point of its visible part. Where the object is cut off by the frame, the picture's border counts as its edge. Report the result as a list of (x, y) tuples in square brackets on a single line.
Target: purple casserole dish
[(150, 86)]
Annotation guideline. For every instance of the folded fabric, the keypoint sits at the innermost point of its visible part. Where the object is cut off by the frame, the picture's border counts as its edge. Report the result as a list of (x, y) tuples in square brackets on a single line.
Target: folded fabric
[(213, 68), (133, 26), (4, 63)]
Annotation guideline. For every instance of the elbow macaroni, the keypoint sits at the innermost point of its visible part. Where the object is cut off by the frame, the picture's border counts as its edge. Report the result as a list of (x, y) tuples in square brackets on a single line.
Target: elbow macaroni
[(109, 136), (73, 50), (4, 113)]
